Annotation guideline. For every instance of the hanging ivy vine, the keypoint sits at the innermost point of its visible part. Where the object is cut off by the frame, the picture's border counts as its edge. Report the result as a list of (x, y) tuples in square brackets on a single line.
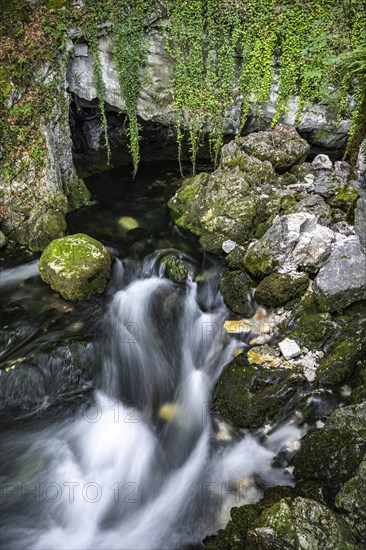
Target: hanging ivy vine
[(97, 13), (130, 50)]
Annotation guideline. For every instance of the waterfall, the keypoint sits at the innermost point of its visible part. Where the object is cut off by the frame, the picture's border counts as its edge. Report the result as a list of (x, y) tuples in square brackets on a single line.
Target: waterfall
[(141, 467)]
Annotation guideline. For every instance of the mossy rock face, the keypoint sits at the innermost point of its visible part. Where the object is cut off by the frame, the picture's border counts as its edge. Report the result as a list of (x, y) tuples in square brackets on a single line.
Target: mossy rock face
[(351, 500), (175, 269), (342, 362), (235, 287), (300, 523), (282, 146), (345, 200), (332, 455), (279, 288), (227, 204), (76, 266), (249, 396), (243, 518), (49, 226), (313, 330)]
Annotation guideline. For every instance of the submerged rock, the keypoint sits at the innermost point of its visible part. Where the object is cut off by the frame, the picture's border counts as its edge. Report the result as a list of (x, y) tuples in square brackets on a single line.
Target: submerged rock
[(282, 146), (76, 266), (342, 280)]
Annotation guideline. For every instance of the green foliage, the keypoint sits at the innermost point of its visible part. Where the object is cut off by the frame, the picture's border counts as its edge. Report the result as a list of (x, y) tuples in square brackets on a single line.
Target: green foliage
[(130, 50), (97, 13), (222, 50)]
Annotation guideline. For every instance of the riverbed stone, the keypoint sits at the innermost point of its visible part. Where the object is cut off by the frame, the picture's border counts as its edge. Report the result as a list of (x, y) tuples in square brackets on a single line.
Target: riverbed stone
[(351, 500), (235, 287), (341, 280), (175, 269), (235, 202), (289, 348), (331, 456), (282, 146), (300, 523), (279, 288), (76, 266)]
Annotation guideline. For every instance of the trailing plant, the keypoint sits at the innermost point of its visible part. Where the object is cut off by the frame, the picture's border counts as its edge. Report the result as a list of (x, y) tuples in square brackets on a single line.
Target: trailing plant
[(130, 51), (97, 14)]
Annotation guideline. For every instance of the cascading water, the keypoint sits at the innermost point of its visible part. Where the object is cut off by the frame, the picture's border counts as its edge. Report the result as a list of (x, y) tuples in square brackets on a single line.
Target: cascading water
[(141, 466), (137, 462)]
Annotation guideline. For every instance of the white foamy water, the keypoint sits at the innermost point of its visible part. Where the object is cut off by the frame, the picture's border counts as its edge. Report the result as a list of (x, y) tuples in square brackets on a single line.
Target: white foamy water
[(137, 469)]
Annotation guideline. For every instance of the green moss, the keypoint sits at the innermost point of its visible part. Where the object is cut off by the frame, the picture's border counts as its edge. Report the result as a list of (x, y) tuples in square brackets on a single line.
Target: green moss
[(279, 288), (175, 269), (234, 288), (341, 363), (346, 200), (259, 265), (76, 266), (329, 457), (252, 396)]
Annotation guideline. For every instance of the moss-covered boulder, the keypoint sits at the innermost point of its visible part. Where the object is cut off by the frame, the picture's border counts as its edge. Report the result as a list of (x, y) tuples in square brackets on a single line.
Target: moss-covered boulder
[(351, 500), (243, 518), (175, 269), (282, 146), (300, 523), (279, 288), (234, 202), (76, 266), (235, 287), (250, 396), (332, 455)]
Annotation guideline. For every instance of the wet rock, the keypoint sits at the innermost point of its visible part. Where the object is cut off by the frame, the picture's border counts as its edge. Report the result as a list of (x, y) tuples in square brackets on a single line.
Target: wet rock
[(3, 240), (175, 269), (331, 456), (282, 147), (234, 203), (341, 280), (126, 223), (351, 500), (235, 287), (243, 518), (322, 162), (289, 348), (49, 226), (292, 241), (300, 523), (279, 288), (76, 266), (251, 395)]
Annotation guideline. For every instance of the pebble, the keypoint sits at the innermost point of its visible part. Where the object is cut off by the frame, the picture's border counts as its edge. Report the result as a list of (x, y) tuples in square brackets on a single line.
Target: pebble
[(289, 348)]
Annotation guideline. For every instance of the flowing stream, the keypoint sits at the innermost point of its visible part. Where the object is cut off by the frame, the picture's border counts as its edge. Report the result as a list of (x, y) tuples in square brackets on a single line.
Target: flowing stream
[(141, 463)]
